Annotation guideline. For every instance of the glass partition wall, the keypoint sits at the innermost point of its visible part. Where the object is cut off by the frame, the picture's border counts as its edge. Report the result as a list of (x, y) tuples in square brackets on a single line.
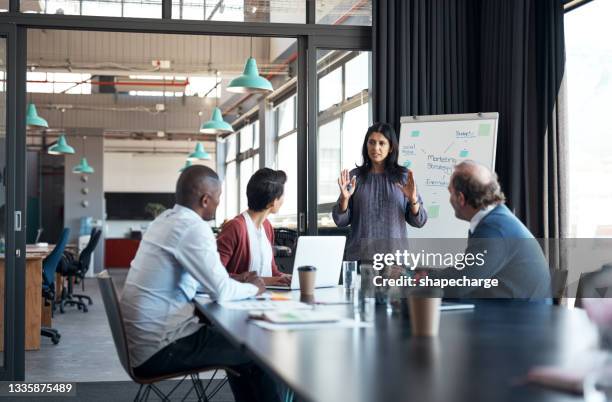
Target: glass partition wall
[(287, 139), (343, 117)]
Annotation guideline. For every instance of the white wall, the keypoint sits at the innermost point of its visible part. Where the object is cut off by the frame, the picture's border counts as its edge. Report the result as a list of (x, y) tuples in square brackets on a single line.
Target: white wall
[(143, 173), (122, 229)]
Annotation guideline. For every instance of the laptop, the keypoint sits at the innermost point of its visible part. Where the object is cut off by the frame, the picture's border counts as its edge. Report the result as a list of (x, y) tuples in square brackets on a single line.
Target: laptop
[(323, 252)]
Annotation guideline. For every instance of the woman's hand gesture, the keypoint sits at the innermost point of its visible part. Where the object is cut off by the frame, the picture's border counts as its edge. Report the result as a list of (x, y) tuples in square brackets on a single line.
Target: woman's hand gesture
[(409, 188), (347, 185)]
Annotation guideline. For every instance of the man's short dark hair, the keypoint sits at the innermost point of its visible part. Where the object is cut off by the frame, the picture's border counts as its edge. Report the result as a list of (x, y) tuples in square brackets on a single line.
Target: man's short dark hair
[(265, 186), (478, 194), (193, 183)]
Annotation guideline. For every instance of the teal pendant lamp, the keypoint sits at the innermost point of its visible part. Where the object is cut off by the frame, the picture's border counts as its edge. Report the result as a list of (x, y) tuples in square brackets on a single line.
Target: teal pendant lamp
[(187, 164), (216, 124), (61, 147), (199, 153), (33, 119), (250, 81), (83, 167)]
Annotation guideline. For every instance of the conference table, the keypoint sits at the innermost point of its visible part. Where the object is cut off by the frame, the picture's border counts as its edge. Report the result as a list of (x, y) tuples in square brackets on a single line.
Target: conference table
[(480, 355)]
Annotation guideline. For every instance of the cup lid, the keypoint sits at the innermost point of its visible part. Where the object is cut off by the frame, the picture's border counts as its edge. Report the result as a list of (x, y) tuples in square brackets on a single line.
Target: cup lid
[(426, 292), (307, 268)]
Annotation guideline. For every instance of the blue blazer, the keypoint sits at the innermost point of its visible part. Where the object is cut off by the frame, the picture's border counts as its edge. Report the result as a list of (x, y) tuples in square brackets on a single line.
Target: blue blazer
[(512, 255)]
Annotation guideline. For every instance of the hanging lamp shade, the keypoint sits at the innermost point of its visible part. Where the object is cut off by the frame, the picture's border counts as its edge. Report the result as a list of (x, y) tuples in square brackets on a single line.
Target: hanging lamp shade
[(216, 124), (61, 147), (187, 164), (83, 167), (198, 153), (33, 119), (250, 81)]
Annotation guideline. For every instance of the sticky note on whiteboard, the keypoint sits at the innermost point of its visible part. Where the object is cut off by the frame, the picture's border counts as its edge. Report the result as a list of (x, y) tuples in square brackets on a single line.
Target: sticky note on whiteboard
[(433, 211), (415, 133), (407, 164), (484, 130)]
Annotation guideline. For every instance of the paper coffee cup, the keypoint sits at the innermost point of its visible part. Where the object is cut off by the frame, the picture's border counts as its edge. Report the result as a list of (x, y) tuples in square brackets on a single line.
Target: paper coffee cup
[(307, 274), (424, 314)]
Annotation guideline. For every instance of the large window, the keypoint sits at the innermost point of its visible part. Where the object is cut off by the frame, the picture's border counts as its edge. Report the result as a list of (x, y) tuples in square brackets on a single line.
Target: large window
[(589, 94), (231, 179), (249, 148), (344, 12), (344, 117), (241, 10), (329, 161), (286, 159), (241, 161), (55, 83), (107, 8), (329, 12)]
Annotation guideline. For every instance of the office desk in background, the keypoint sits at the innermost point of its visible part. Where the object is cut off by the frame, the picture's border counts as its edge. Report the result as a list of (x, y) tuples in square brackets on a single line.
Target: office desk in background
[(480, 355), (33, 296)]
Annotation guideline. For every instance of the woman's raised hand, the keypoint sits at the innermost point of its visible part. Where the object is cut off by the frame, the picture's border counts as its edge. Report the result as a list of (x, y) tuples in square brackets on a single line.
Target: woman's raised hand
[(409, 188), (346, 184)]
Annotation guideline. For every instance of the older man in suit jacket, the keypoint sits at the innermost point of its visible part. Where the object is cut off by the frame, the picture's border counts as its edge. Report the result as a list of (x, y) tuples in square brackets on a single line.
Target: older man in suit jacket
[(512, 254)]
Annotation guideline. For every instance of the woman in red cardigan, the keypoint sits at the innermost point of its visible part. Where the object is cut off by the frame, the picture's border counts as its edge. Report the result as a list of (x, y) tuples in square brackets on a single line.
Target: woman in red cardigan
[(245, 242)]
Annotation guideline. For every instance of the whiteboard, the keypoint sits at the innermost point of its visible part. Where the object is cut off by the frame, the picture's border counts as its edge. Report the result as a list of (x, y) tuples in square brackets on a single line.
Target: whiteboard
[(431, 146)]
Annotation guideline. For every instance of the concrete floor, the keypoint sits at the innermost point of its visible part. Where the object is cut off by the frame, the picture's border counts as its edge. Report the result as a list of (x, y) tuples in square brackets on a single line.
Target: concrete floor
[(86, 352)]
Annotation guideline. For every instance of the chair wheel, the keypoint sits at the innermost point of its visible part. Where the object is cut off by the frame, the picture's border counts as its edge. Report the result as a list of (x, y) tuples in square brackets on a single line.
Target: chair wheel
[(55, 339), (90, 302), (85, 310)]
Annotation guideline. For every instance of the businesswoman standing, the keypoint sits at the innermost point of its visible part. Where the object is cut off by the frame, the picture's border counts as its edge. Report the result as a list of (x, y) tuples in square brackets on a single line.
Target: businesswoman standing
[(378, 198)]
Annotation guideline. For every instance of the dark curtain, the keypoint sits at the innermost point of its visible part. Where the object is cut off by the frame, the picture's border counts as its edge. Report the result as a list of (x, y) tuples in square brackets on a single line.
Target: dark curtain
[(522, 63), (465, 56), (420, 58)]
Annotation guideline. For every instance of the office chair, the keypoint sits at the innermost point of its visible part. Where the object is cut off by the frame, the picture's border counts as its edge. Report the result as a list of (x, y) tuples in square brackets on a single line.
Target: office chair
[(593, 285), (50, 264), (115, 320), (76, 269), (285, 241)]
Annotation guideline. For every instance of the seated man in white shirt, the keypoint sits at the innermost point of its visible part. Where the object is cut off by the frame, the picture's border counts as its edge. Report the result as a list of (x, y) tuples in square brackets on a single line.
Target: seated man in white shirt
[(177, 255)]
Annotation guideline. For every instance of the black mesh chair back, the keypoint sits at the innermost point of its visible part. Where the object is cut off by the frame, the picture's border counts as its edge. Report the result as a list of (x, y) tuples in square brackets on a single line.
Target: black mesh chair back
[(85, 256), (594, 285), (285, 237)]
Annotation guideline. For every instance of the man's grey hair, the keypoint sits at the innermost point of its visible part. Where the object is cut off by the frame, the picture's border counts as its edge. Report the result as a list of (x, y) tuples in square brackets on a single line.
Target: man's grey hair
[(478, 185)]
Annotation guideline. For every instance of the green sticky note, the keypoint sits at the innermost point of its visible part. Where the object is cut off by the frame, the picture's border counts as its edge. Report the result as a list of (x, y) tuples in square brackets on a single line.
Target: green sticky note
[(433, 211), (415, 133), (407, 164), (464, 153), (484, 130)]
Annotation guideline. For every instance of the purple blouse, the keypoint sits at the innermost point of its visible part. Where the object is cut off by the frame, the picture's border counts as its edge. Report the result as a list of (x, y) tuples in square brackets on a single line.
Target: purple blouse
[(377, 212)]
